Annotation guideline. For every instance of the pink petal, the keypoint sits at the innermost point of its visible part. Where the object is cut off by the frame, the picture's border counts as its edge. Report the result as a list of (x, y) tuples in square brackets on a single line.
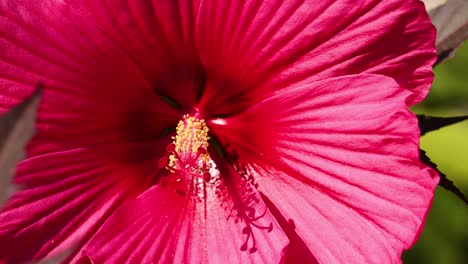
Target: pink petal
[(94, 93), (204, 227), (158, 36), (98, 128), (67, 196), (340, 159), (250, 48)]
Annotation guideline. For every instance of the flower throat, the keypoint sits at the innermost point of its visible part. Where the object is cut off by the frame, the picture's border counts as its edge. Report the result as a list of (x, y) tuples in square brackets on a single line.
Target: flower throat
[(186, 158)]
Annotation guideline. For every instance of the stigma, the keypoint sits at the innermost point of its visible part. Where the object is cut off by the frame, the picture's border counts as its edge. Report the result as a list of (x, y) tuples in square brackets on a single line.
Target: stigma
[(187, 159)]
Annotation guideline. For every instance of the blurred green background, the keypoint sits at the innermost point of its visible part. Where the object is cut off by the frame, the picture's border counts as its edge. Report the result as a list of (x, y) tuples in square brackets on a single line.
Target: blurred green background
[(445, 237)]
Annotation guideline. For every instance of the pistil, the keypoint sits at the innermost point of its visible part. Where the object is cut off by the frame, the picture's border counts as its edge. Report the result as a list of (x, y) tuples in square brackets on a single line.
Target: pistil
[(187, 156)]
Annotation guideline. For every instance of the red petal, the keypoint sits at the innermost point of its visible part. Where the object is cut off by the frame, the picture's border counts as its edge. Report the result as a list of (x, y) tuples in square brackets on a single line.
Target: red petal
[(343, 165), (67, 196), (161, 226), (93, 92), (250, 48), (158, 36)]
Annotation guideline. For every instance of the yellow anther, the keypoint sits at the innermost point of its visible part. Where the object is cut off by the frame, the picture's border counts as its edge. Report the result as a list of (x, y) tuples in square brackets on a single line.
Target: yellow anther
[(191, 142)]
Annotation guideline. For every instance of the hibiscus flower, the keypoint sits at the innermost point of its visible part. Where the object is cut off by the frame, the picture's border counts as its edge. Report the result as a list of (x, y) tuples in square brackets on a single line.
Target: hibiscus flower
[(211, 131)]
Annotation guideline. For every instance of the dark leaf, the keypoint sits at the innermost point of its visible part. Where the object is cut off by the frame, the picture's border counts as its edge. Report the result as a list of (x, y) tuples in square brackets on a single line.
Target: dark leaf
[(17, 126), (431, 123), (450, 17), (444, 181)]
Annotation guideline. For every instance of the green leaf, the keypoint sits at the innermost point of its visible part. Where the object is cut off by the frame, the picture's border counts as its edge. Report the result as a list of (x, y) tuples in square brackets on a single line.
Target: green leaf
[(17, 126), (444, 181)]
